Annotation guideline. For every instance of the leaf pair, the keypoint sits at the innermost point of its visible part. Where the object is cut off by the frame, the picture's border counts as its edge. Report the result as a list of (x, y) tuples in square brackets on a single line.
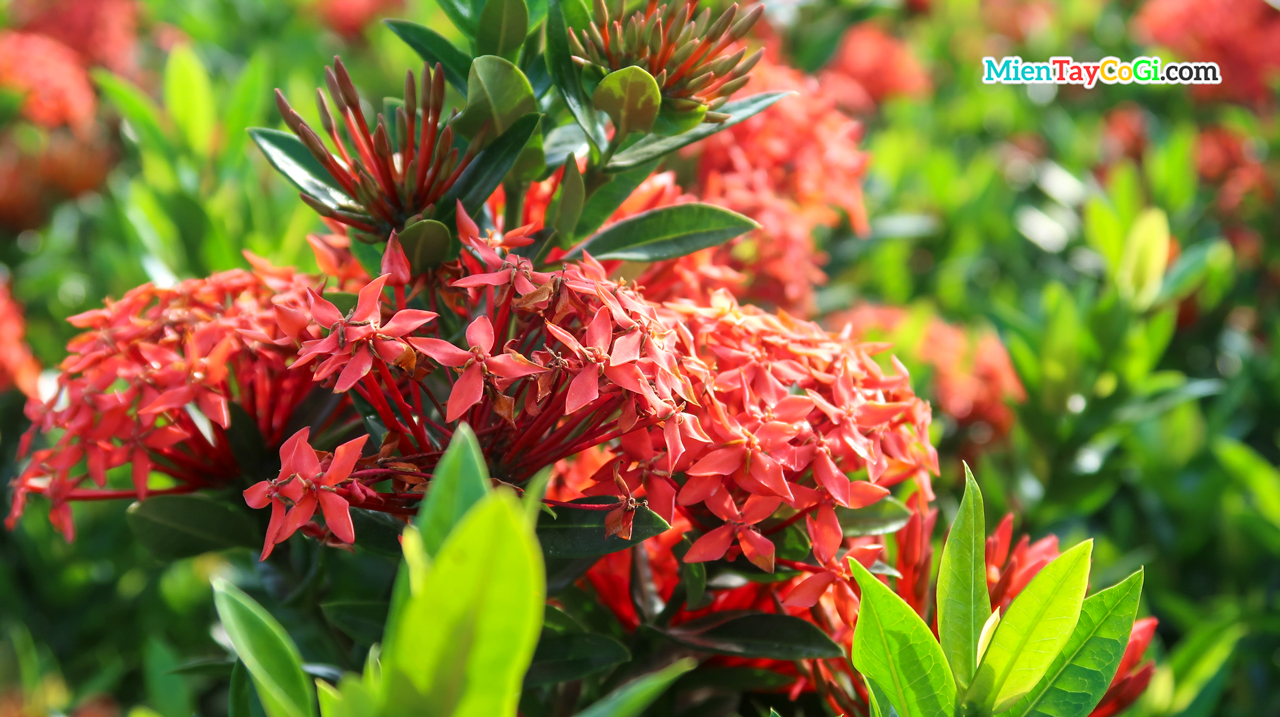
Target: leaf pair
[(1053, 653)]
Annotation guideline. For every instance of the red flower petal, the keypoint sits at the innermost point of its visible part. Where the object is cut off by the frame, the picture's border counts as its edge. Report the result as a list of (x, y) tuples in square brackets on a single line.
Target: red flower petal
[(406, 321), (442, 352), (480, 334), (355, 370), (711, 546), (337, 515), (583, 389), (757, 548), (720, 462), (258, 494), (467, 392), (807, 593), (863, 494), (344, 459)]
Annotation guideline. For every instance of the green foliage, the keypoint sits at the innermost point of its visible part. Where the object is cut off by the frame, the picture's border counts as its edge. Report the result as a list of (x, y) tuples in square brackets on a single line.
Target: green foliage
[(180, 526), (666, 233), (268, 654), (963, 603)]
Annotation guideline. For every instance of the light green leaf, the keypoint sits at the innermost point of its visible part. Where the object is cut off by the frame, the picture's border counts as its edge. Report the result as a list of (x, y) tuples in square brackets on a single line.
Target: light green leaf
[(137, 108), (963, 603), (502, 28), (1033, 631), (167, 691), (460, 480), (666, 233), (1253, 473), (1145, 256), (654, 147), (1080, 674), (631, 98), (894, 648), (631, 699), (246, 105), (266, 651), (188, 97), (464, 638), (497, 94)]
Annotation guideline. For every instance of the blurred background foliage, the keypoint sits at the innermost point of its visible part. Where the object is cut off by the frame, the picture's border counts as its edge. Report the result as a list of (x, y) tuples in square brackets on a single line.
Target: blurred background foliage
[(1084, 282)]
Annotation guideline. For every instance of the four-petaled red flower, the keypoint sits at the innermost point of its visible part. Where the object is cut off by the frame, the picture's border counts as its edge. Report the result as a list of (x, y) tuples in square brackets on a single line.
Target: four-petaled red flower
[(477, 363)]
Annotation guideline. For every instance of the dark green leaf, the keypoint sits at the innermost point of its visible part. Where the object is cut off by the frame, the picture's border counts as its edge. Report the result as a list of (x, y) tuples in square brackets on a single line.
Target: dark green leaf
[(478, 181), (460, 480), (563, 658), (737, 679), (606, 199), (576, 533), (666, 233), (426, 244), (179, 526), (566, 75), (433, 48), (292, 159), (896, 650), (767, 635), (631, 699), (257, 462), (885, 516), (963, 602), (631, 98), (502, 28), (1081, 673), (217, 667), (498, 95), (267, 652), (378, 532), (568, 202), (654, 147), (361, 620), (240, 697)]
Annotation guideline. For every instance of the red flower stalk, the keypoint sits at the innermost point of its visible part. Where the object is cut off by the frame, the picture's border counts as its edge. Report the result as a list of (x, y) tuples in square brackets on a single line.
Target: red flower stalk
[(387, 187), (684, 51), (150, 383)]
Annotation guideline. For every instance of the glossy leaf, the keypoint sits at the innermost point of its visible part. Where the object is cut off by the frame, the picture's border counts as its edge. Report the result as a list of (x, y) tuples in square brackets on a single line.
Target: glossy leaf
[(569, 201), (425, 244), (188, 97), (564, 658), (755, 634), (180, 526), (266, 651), (631, 98), (462, 13), (666, 233), (605, 200), (291, 158), (478, 181), (634, 697), (1033, 631), (654, 147), (1079, 676), (433, 48), (882, 517), (502, 28), (566, 75), (580, 533), (895, 649), (464, 638), (460, 480), (963, 602), (498, 95)]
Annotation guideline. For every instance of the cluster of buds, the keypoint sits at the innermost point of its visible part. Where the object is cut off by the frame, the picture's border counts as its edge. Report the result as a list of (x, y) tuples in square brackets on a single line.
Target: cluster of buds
[(683, 49), (389, 183), (151, 381)]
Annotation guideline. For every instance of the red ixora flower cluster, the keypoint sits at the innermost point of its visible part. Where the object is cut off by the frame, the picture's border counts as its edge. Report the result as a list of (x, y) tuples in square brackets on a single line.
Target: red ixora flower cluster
[(151, 381), (794, 168), (1242, 36), (18, 367), (872, 66)]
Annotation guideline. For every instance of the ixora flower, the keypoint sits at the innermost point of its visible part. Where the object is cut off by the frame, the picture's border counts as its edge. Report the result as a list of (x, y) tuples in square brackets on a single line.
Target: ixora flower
[(18, 367), (151, 382), (48, 75)]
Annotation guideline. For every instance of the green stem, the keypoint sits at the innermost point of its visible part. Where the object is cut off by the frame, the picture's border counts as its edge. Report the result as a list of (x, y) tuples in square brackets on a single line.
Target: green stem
[(513, 212)]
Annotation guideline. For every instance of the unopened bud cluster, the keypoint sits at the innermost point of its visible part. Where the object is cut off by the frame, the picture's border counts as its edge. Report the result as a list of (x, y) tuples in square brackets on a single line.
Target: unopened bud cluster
[(683, 49)]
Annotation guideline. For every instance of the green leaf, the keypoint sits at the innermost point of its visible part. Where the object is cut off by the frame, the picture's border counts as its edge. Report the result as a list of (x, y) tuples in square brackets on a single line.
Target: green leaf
[(655, 147), (579, 533), (291, 158), (754, 634), (1253, 473), (433, 48), (462, 14), (498, 94), (180, 526), (460, 480), (464, 638), (478, 181), (885, 516), (563, 658), (1033, 631), (362, 620), (673, 121), (167, 691), (188, 96), (246, 105), (631, 699), (240, 697), (502, 28), (631, 98), (666, 233), (1145, 257), (569, 202), (1080, 674), (136, 107), (963, 602), (606, 199), (426, 244), (266, 651), (565, 74), (896, 650)]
